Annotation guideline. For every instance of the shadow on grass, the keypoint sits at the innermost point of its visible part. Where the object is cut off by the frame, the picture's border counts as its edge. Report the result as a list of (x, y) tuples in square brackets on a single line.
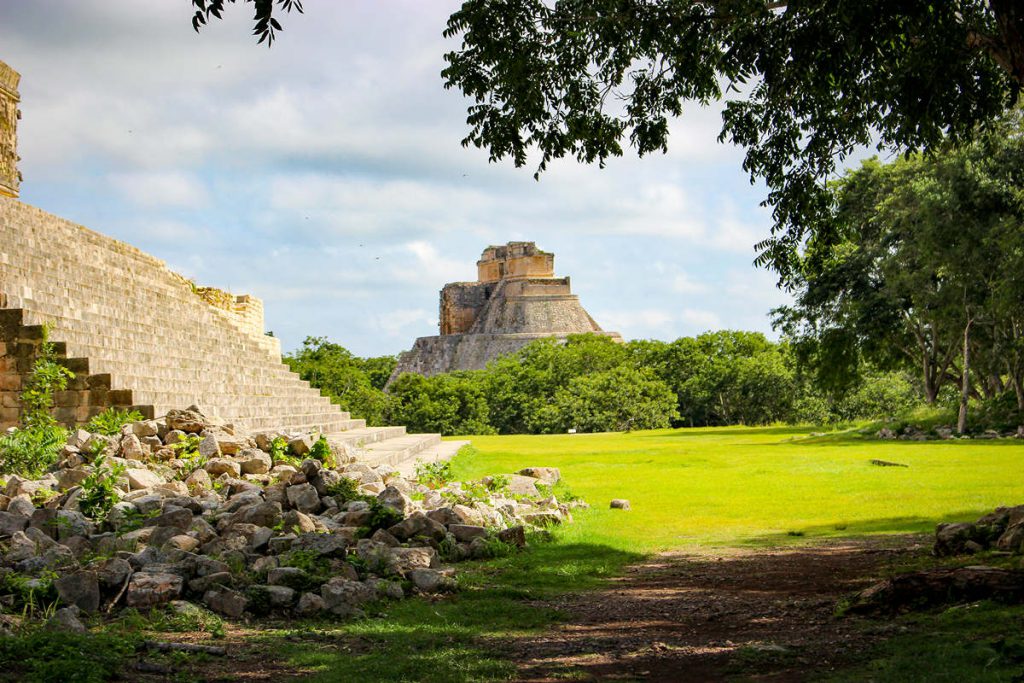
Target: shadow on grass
[(910, 524), (704, 432), (435, 639)]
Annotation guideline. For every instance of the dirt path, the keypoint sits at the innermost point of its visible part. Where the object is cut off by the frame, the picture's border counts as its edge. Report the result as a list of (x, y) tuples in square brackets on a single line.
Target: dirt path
[(760, 614)]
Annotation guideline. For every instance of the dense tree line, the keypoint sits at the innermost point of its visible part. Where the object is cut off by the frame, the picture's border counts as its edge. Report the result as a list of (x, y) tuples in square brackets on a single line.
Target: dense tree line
[(922, 274), (591, 384)]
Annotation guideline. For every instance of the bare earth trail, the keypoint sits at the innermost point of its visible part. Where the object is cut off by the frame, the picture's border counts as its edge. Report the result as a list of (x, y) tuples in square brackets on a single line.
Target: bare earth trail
[(758, 614)]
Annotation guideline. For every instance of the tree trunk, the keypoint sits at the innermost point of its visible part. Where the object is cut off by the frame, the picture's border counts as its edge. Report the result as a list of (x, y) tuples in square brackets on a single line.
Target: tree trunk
[(1007, 48), (931, 391), (965, 382)]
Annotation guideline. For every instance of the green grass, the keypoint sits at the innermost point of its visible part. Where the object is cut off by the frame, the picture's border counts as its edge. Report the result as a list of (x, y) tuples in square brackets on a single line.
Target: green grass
[(980, 643), (742, 486), (449, 639)]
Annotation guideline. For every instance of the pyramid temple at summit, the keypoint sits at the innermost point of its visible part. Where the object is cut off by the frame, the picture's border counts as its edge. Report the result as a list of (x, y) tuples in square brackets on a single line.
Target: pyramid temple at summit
[(516, 299), (139, 335)]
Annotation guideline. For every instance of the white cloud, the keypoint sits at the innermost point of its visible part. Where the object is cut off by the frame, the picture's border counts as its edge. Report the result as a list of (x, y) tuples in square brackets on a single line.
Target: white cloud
[(396, 323), (684, 284), (700, 320), (634, 324), (161, 188)]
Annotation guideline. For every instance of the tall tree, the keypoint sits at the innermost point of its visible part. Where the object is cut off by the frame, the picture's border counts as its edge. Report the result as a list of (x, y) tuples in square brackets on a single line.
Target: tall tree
[(923, 270)]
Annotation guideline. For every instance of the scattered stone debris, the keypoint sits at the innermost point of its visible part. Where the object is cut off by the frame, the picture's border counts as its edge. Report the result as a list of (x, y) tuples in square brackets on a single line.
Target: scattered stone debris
[(247, 524), (925, 589), (1002, 530), (944, 433), (620, 504)]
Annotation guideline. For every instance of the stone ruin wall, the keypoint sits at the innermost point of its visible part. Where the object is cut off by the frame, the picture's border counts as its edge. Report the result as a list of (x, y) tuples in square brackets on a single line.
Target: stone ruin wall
[(516, 300), (246, 311), (10, 178), (461, 304), (514, 260), (88, 394)]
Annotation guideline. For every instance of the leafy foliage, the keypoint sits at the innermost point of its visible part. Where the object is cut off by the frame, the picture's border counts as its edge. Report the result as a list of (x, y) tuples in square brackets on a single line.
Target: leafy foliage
[(45, 655), (590, 383), (381, 516), (265, 25), (923, 272), (453, 403), (346, 489), (814, 82), (434, 475), (322, 451), (99, 490), (110, 421), (34, 447)]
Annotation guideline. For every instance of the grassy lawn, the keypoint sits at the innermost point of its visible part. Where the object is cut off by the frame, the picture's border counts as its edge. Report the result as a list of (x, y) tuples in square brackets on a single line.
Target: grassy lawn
[(737, 486)]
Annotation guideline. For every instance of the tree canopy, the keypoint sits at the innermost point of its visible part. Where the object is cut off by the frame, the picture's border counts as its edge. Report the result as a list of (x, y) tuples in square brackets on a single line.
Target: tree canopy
[(806, 82), (265, 25)]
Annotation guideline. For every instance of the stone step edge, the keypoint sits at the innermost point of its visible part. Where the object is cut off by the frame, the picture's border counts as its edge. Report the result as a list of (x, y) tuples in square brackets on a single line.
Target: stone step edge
[(445, 450), (395, 451)]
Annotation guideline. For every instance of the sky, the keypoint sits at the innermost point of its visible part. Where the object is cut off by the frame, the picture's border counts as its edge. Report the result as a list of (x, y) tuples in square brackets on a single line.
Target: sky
[(326, 175)]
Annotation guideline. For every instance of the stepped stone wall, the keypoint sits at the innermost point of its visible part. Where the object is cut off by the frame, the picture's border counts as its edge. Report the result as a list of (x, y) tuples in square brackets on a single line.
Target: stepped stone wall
[(516, 299), (139, 333)]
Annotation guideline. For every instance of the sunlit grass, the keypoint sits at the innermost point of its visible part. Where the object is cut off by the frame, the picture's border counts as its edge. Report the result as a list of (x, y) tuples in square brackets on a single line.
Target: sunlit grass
[(737, 486)]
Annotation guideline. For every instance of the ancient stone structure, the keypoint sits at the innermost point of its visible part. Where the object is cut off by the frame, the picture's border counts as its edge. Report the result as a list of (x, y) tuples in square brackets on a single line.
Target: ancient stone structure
[(10, 179), (137, 334), (516, 299)]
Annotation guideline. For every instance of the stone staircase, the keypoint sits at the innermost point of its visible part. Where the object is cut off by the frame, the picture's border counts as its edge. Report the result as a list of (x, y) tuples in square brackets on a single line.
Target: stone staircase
[(139, 335)]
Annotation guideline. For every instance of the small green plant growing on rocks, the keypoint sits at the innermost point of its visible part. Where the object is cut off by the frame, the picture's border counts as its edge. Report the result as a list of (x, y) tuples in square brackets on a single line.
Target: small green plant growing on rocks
[(381, 517), (322, 451), (472, 492), (187, 451), (434, 475), (41, 496), (494, 547), (279, 453), (94, 449), (498, 482), (346, 489), (99, 489), (110, 421), (188, 446), (33, 448)]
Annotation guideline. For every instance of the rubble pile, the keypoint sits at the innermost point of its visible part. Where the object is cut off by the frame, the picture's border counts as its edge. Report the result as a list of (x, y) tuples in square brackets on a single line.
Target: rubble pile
[(186, 508)]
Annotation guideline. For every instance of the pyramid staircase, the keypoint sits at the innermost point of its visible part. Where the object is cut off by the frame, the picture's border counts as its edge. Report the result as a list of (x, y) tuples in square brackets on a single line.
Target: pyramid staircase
[(138, 335)]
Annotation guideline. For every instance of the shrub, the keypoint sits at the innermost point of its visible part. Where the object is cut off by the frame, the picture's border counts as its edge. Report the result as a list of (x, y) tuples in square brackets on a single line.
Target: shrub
[(34, 448), (345, 490), (110, 421), (322, 451), (382, 516), (99, 491), (434, 475), (29, 452)]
